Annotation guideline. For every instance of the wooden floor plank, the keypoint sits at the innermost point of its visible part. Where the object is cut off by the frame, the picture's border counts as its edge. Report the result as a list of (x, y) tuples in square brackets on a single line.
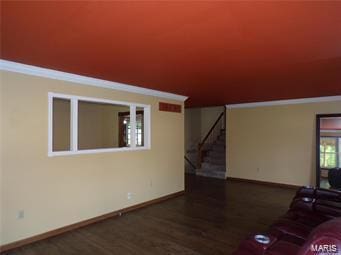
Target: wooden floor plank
[(211, 218)]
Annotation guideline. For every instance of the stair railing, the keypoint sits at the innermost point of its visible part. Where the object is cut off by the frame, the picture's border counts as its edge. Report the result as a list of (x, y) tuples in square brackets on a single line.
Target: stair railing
[(190, 162), (207, 138)]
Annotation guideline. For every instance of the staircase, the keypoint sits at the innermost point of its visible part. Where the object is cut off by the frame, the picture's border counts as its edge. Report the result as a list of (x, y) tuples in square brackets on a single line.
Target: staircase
[(210, 155), (214, 162)]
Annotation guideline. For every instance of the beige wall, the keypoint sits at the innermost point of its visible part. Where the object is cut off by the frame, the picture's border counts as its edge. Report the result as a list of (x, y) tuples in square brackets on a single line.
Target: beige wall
[(58, 191), (192, 127), (275, 143), (208, 116)]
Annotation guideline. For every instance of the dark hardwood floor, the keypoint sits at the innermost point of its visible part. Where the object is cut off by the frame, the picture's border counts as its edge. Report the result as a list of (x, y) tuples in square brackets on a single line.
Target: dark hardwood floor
[(211, 218)]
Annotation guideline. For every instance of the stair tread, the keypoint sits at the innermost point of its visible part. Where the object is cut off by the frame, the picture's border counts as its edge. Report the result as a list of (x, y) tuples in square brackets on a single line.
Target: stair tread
[(216, 174), (214, 162), (216, 153)]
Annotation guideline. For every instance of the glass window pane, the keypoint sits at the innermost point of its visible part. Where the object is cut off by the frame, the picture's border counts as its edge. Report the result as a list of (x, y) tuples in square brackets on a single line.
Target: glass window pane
[(328, 149), (330, 160), (127, 128), (139, 132), (322, 148), (322, 155), (102, 125), (61, 124)]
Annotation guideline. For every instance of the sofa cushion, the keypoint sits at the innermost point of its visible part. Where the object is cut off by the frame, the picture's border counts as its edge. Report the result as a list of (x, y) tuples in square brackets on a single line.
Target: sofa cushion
[(251, 246), (311, 219), (283, 247), (293, 228), (327, 207)]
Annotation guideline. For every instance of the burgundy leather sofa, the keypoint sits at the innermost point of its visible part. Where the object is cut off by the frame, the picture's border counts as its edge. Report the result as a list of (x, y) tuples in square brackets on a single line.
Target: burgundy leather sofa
[(334, 178), (311, 226)]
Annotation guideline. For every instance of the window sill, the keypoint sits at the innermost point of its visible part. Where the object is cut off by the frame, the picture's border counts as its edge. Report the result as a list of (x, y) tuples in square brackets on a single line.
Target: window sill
[(95, 151)]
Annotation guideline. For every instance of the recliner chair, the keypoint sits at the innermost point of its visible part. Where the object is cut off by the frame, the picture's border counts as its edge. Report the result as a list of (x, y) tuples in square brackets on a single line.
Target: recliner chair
[(334, 178), (313, 219)]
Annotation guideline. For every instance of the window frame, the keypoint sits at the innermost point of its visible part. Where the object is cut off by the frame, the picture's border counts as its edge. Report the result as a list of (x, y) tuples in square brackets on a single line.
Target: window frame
[(74, 125)]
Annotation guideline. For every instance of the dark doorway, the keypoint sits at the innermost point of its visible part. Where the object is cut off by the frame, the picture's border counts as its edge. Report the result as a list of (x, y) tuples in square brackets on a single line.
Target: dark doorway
[(328, 151)]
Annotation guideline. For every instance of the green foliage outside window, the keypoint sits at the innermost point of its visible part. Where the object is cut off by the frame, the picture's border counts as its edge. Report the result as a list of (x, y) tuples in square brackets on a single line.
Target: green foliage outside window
[(328, 152)]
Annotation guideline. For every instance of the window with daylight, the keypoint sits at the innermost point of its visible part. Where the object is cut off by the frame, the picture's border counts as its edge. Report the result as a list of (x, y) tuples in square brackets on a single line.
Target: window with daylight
[(80, 125), (125, 128), (330, 156)]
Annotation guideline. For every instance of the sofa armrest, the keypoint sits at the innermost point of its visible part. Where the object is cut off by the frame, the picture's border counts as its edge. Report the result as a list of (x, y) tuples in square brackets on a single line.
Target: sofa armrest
[(256, 244), (318, 193), (305, 191), (305, 204)]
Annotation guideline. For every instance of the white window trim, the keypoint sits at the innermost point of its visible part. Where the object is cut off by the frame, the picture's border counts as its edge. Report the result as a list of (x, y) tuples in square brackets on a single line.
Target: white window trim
[(74, 125), (132, 126)]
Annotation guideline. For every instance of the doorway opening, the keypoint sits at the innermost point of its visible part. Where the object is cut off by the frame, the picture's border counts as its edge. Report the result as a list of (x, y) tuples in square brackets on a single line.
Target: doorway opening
[(328, 151)]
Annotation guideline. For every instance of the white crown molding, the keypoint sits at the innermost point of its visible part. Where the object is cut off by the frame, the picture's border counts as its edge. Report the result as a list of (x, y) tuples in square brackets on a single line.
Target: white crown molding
[(10, 66), (286, 102)]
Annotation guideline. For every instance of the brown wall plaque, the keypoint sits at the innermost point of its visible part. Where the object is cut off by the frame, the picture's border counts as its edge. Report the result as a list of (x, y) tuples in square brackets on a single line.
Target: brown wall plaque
[(166, 107)]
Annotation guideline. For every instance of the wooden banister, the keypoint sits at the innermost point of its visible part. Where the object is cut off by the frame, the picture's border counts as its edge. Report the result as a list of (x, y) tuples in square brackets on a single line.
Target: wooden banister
[(211, 130), (202, 143), (190, 162)]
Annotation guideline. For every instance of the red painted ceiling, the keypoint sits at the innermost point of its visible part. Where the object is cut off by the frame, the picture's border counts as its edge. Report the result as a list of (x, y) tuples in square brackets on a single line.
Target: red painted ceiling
[(214, 52)]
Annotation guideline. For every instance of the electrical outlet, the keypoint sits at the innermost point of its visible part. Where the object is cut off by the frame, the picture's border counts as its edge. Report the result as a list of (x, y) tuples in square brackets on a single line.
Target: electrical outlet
[(258, 169), (129, 195), (20, 214)]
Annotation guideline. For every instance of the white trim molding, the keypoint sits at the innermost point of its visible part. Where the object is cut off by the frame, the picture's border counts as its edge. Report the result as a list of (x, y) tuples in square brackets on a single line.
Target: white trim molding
[(286, 102), (74, 150), (10, 66)]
